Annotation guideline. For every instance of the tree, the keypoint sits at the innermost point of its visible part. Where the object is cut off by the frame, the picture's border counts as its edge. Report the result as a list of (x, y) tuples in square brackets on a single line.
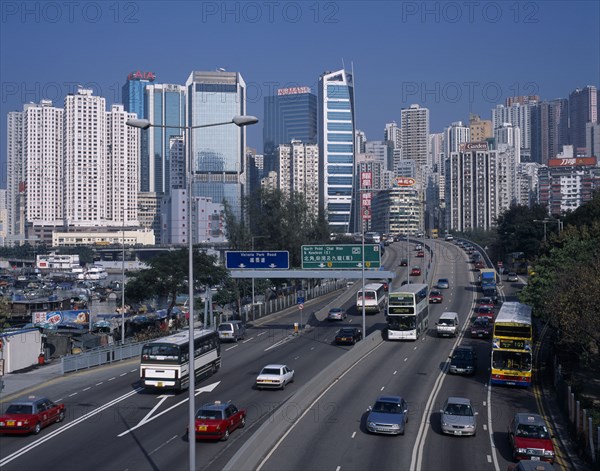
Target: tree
[(517, 231), (167, 276)]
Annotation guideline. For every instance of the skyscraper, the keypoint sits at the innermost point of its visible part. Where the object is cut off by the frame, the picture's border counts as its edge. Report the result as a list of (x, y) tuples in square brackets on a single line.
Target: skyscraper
[(336, 148), (455, 136), (481, 129), (517, 115), (549, 129), (218, 153), (133, 92), (165, 105), (298, 171), (583, 109), (415, 135), (15, 198), (291, 114)]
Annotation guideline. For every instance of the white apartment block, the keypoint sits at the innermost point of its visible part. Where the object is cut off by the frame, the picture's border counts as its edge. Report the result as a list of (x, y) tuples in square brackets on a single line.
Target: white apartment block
[(471, 188), (506, 183), (43, 158), (455, 136), (85, 160), (299, 172), (415, 132), (122, 168), (393, 133), (510, 135), (519, 116), (15, 178), (527, 183)]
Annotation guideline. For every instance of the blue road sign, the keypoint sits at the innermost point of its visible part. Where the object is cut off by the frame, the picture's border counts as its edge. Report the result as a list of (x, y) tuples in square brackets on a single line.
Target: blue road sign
[(300, 300), (253, 260)]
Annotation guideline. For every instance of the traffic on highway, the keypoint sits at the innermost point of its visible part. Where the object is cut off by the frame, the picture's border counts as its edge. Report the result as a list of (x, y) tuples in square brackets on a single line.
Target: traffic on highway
[(277, 399)]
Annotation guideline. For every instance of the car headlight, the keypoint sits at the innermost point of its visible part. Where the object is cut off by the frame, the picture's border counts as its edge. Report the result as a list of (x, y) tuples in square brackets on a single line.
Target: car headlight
[(371, 424), (521, 450), (444, 423)]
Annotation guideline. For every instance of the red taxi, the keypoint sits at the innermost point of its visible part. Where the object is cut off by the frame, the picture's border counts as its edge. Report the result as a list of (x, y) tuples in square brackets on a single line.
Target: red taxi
[(485, 311), (420, 253), (415, 271), (435, 296), (31, 415), (530, 438), (216, 420)]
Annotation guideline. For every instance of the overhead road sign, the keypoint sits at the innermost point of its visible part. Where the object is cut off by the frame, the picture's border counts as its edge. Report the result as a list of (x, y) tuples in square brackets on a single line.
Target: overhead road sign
[(340, 256), (254, 260)]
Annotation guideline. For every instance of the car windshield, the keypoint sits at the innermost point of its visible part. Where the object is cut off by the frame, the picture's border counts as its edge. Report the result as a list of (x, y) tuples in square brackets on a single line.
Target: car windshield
[(435, 293), (208, 414), (458, 409), (270, 371), (346, 332), (387, 407), (20, 409), (532, 431), (462, 355), (482, 322)]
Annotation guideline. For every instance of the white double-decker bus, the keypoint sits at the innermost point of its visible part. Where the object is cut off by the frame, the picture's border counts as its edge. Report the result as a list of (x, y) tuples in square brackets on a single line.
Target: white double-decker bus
[(408, 312), (375, 298), (165, 362)]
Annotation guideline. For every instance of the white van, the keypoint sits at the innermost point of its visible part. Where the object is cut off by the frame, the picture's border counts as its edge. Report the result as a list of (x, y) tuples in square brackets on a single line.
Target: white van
[(447, 325), (231, 330)]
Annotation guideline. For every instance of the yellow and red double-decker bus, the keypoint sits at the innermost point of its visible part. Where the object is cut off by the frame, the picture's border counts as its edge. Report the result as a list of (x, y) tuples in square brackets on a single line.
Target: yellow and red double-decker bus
[(512, 347)]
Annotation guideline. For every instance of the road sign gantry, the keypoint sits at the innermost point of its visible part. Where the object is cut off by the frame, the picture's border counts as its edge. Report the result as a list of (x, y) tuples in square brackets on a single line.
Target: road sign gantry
[(342, 256)]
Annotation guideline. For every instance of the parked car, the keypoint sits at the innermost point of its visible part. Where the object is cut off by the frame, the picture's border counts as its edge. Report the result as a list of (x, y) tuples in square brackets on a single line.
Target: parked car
[(443, 283), (404, 262), (512, 277), (388, 415), (482, 327), (216, 420), (530, 438), (435, 297), (463, 361), (458, 417), (337, 314), (348, 336), (415, 271), (31, 415), (274, 376)]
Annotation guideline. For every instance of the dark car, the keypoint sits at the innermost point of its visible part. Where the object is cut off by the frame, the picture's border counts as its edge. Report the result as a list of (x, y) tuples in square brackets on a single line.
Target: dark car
[(530, 438), (482, 327), (388, 415), (435, 296), (31, 415), (216, 420), (463, 361), (404, 262), (529, 465), (348, 336)]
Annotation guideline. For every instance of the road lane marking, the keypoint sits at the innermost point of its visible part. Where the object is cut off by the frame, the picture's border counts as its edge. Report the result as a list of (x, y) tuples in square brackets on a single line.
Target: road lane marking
[(110, 379), (89, 387), (71, 395), (353, 434), (395, 371), (406, 359), (123, 374), (131, 371), (489, 458), (227, 349), (262, 333), (382, 388), (281, 342), (101, 382), (165, 443), (248, 340)]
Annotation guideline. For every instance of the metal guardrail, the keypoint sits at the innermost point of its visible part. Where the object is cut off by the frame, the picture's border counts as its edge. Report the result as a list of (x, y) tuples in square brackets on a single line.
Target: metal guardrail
[(101, 356)]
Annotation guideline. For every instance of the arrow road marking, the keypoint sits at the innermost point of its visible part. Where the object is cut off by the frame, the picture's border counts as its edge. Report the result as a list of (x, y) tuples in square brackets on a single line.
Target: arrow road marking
[(146, 420), (162, 399)]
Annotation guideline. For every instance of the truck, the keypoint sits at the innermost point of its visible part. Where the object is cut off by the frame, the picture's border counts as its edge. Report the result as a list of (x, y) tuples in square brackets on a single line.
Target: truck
[(488, 279)]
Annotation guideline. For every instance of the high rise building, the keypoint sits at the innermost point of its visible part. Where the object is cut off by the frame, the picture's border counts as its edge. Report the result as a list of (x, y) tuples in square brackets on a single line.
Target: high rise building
[(455, 136), (133, 92), (471, 191), (393, 134), (336, 121), (592, 139), (164, 105), (519, 116), (218, 152), (510, 136), (481, 129), (298, 172), (291, 114), (583, 109), (415, 134), (549, 129), (43, 157), (15, 162), (522, 100), (381, 150), (360, 140)]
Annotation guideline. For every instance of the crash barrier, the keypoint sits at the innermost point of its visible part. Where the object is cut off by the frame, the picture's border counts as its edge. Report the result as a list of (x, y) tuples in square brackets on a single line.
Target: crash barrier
[(101, 356)]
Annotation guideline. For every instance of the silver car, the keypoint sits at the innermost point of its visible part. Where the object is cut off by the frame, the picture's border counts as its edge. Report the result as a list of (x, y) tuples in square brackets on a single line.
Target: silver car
[(336, 314), (458, 417), (388, 415)]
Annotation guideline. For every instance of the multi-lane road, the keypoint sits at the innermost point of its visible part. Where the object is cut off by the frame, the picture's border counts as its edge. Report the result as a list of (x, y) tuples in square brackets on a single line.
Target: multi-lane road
[(113, 424)]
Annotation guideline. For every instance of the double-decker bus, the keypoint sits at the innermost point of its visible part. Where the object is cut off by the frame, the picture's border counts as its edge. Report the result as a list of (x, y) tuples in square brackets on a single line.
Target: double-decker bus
[(375, 298), (512, 346), (165, 362), (408, 312)]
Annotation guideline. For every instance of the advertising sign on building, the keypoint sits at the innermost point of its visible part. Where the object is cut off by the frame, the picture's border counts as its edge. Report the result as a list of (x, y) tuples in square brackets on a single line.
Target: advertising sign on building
[(404, 181), (81, 317), (139, 75), (471, 146), (293, 90), (572, 162)]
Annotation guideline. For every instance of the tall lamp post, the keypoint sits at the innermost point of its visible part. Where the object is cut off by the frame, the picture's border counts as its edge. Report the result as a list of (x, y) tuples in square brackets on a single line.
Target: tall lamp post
[(145, 124), (123, 286)]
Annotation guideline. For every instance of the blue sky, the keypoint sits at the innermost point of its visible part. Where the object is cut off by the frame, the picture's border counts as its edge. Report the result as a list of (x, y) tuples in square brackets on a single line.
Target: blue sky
[(452, 57)]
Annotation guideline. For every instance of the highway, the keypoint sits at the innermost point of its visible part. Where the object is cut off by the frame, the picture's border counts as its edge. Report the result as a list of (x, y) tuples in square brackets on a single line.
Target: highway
[(113, 424)]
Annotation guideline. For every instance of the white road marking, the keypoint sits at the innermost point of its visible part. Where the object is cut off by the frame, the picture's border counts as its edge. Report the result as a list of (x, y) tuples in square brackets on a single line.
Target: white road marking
[(295, 358), (406, 359), (101, 382), (395, 371), (276, 344), (134, 370), (312, 348), (262, 333), (248, 340), (122, 374), (227, 349), (71, 395), (89, 387), (489, 458), (165, 443), (490, 431), (484, 427), (353, 434), (338, 468), (382, 388), (110, 379)]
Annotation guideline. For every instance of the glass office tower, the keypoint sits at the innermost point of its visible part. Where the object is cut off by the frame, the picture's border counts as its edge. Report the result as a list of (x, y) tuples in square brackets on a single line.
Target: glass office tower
[(336, 149), (289, 115), (217, 152)]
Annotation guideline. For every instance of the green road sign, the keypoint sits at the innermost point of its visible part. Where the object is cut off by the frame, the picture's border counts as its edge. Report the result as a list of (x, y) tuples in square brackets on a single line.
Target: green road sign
[(340, 256)]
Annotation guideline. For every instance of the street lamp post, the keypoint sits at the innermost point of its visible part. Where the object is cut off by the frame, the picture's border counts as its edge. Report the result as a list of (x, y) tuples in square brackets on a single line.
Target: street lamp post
[(145, 124), (123, 285)]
